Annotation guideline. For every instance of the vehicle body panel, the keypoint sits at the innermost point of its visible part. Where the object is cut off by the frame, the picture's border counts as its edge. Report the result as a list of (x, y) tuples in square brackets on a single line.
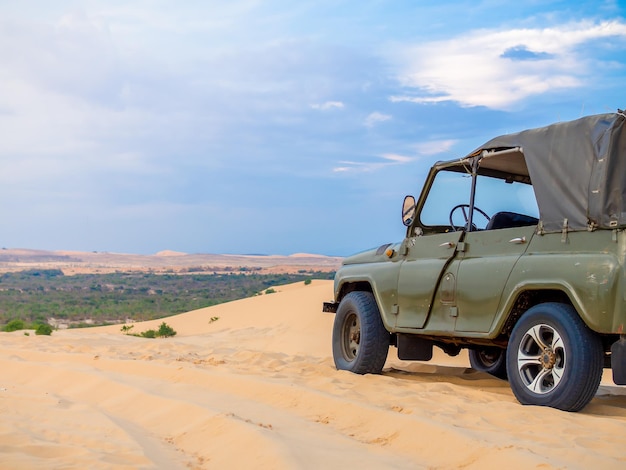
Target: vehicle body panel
[(420, 273), (483, 271), (588, 267)]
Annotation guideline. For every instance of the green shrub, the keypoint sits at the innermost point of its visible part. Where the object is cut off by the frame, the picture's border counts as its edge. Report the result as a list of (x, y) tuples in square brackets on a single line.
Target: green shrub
[(165, 331), (270, 291), (307, 282), (43, 329), (14, 325)]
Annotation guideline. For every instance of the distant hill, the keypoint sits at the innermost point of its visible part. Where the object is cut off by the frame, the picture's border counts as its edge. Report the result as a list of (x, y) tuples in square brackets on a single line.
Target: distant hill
[(166, 261)]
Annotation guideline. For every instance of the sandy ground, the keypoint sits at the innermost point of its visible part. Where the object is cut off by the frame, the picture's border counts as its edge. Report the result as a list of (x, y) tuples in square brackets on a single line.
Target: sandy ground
[(257, 388)]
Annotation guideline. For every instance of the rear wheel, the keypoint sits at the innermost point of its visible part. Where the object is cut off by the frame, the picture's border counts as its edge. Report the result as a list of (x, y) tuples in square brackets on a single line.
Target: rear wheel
[(360, 340), (554, 359), (490, 360)]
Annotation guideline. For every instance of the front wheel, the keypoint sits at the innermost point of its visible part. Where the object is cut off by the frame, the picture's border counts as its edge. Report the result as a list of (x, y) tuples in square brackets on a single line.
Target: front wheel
[(554, 359), (360, 340)]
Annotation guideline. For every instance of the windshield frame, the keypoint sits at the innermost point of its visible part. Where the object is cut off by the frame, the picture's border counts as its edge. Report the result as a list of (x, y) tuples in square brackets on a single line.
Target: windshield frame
[(490, 164)]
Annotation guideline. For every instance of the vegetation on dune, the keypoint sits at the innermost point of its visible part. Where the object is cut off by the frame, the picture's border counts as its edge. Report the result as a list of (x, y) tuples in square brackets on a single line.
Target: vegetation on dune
[(43, 329), (164, 331), (34, 296), (17, 324)]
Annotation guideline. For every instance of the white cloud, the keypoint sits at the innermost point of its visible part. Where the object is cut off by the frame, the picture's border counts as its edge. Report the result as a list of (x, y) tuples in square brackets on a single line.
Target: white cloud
[(435, 147), (374, 118), (341, 169), (432, 147), (328, 105), (394, 158), (497, 69), (363, 167)]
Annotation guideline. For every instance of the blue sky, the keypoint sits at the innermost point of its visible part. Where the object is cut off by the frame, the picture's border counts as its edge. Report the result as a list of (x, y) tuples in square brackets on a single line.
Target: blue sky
[(273, 126)]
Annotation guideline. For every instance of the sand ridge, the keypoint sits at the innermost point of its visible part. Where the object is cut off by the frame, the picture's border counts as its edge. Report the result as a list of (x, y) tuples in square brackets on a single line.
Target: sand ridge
[(257, 388)]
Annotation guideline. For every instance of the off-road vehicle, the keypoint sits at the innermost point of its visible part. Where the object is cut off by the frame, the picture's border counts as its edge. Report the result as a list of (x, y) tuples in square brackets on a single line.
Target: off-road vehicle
[(516, 252)]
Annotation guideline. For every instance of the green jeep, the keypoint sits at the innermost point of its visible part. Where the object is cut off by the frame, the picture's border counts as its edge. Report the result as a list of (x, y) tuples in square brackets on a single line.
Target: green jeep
[(517, 252)]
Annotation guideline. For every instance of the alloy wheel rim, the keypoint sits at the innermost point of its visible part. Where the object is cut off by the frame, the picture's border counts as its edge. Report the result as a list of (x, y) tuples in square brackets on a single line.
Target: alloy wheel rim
[(541, 359)]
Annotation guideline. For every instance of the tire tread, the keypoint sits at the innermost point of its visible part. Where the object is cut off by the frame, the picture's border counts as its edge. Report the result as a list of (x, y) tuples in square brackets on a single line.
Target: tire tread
[(583, 374), (374, 345)]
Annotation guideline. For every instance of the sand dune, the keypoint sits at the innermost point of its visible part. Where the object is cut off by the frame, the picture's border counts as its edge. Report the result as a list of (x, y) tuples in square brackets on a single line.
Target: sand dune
[(166, 261), (257, 388)]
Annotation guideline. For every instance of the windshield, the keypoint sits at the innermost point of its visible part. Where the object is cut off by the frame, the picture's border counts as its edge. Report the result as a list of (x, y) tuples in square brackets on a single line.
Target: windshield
[(493, 195)]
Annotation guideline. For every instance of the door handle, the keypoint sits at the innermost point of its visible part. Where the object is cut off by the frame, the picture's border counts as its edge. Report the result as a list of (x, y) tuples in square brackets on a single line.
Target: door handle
[(518, 240), (448, 244)]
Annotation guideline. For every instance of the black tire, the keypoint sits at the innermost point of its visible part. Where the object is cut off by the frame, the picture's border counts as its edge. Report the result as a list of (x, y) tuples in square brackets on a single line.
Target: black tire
[(360, 340), (490, 360), (554, 359)]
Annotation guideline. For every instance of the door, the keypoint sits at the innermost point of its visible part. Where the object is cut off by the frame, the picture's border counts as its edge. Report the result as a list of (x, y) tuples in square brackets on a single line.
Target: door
[(420, 273), (483, 270)]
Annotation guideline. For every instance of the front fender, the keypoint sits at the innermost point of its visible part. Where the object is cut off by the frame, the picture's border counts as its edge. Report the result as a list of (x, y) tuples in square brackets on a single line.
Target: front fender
[(379, 278)]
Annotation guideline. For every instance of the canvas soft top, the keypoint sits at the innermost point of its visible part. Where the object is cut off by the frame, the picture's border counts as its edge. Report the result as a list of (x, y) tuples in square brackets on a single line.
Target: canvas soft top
[(577, 169)]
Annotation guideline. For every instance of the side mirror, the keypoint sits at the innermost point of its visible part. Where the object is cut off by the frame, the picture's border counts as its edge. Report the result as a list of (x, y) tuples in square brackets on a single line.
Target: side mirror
[(408, 210)]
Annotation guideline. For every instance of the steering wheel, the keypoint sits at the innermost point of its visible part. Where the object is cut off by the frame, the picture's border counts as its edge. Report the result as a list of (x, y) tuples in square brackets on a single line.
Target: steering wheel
[(463, 208)]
